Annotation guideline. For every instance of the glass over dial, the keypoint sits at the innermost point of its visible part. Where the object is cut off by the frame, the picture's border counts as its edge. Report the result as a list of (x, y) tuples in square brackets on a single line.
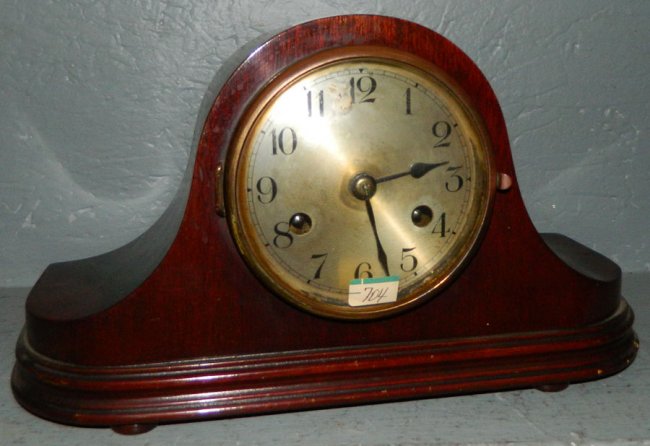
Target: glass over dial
[(358, 184)]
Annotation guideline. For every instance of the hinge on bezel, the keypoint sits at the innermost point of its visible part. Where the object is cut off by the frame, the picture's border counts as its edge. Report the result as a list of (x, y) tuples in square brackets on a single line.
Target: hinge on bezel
[(218, 189)]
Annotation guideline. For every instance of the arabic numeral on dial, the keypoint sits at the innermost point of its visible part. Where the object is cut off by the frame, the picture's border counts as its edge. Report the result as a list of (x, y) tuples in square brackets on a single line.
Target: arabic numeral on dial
[(442, 131), (285, 141), (441, 225), (267, 189), (455, 183), (366, 85), (321, 103), (409, 261), (283, 238), (363, 271), (320, 265), (407, 96)]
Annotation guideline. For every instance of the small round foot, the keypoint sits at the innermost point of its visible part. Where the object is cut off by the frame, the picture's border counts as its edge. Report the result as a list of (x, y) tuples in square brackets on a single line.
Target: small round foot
[(552, 387), (133, 429)]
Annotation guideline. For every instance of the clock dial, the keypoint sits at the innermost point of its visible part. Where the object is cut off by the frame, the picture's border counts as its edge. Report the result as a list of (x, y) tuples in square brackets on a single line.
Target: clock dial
[(359, 166)]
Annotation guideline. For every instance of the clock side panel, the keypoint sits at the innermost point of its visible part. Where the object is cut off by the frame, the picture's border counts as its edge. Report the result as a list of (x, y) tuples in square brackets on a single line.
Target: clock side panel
[(201, 300)]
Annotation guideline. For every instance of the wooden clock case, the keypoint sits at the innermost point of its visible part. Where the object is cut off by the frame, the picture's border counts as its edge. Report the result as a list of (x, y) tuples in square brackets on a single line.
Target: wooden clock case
[(174, 327)]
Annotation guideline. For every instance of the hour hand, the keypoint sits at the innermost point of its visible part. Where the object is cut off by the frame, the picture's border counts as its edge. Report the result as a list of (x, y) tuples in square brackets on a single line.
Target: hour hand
[(417, 170)]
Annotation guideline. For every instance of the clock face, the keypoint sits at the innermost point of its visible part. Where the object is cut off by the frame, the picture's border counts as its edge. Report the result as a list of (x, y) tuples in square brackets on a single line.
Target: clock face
[(359, 182)]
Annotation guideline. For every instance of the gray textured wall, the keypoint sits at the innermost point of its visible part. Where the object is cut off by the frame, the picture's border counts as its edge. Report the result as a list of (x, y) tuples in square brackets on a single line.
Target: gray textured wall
[(99, 99)]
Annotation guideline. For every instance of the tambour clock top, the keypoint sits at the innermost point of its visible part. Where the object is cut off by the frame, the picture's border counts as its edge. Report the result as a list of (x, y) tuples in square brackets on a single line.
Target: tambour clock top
[(359, 181)]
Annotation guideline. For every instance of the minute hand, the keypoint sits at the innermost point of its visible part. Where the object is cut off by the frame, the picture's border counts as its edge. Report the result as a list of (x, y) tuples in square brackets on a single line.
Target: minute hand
[(417, 170)]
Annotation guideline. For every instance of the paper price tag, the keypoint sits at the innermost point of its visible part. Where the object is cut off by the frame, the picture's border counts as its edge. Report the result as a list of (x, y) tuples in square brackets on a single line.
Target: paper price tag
[(373, 291)]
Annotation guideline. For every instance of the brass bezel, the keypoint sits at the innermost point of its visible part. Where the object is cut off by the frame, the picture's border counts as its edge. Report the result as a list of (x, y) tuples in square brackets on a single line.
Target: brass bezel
[(426, 287)]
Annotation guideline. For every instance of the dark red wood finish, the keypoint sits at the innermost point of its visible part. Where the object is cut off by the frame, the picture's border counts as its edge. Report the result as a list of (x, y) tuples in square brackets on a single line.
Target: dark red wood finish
[(174, 326)]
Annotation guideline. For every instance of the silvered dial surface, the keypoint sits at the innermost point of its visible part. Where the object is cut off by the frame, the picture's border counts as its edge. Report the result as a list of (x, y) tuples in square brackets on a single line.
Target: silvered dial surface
[(354, 169)]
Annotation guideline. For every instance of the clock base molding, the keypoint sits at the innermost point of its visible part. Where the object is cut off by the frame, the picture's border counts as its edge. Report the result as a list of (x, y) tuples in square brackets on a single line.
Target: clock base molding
[(131, 399)]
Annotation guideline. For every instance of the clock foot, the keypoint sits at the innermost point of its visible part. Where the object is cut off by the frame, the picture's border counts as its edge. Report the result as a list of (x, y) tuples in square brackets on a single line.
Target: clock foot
[(552, 387), (133, 429)]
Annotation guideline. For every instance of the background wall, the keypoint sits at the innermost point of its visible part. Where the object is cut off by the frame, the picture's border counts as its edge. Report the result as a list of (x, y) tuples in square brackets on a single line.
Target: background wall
[(99, 100)]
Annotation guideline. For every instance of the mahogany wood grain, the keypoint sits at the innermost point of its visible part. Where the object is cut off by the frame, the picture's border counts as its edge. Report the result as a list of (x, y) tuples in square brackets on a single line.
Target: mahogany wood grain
[(173, 326)]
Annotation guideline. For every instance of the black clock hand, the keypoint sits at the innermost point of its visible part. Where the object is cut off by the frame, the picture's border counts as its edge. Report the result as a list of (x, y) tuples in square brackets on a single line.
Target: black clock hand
[(417, 170), (381, 254), (363, 187)]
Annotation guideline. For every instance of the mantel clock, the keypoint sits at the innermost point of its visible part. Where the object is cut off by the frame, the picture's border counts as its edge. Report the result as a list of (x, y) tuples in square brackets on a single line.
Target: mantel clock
[(350, 230)]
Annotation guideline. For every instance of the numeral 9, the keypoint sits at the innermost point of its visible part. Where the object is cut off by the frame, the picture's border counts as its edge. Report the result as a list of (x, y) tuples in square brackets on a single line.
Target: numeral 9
[(267, 190)]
